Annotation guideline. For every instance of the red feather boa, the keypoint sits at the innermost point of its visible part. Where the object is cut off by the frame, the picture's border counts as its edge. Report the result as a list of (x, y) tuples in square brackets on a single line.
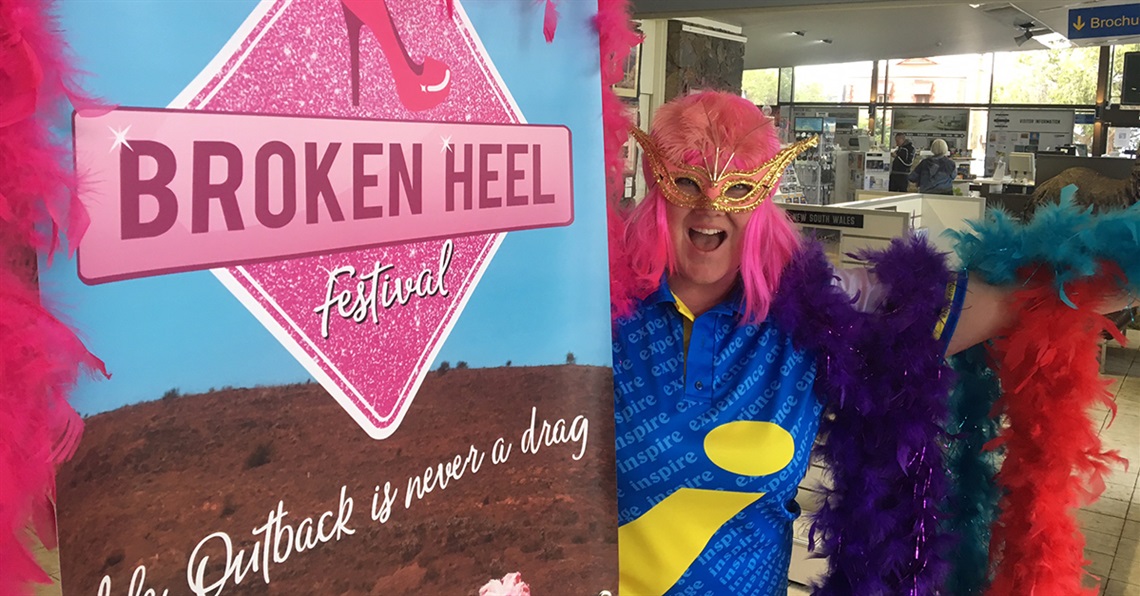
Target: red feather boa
[(1054, 461)]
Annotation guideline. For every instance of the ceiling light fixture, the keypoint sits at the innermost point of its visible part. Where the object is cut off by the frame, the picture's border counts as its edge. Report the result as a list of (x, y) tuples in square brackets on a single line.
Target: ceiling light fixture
[(827, 41), (800, 33)]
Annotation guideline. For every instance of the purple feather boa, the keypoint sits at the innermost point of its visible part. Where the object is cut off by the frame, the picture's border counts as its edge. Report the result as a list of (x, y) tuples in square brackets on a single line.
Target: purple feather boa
[(885, 381)]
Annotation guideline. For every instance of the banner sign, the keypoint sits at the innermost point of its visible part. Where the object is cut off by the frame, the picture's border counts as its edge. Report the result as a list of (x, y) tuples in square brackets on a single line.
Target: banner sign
[(226, 189), (1026, 131), (1121, 20), (1046, 121), (347, 266), (845, 118), (923, 125), (841, 220)]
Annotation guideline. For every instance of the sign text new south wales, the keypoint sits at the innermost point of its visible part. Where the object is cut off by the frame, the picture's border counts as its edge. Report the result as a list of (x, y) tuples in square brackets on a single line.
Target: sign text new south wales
[(1108, 21)]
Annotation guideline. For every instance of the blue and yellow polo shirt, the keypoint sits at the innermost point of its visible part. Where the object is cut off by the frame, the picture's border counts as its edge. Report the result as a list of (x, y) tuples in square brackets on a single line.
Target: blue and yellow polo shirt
[(711, 447)]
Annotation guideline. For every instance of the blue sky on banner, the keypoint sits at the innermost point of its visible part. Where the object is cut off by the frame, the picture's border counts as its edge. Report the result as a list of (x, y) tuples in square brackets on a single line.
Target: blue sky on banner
[(543, 295)]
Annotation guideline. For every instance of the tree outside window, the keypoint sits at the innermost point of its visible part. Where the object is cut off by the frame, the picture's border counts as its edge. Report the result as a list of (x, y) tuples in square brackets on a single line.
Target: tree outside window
[(762, 86), (1064, 76)]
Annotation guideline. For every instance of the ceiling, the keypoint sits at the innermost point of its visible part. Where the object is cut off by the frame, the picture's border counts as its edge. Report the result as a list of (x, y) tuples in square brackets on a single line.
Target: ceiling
[(875, 29)]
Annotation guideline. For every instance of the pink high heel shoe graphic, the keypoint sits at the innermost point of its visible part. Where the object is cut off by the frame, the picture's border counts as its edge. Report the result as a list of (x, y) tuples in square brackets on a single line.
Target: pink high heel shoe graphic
[(420, 86)]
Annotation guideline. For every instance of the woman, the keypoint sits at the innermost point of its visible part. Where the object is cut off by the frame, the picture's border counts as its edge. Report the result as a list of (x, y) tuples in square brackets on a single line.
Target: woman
[(731, 337), (936, 174)]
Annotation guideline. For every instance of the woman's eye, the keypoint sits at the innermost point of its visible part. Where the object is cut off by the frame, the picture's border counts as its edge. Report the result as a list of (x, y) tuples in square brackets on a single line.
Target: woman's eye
[(688, 186), (738, 190)]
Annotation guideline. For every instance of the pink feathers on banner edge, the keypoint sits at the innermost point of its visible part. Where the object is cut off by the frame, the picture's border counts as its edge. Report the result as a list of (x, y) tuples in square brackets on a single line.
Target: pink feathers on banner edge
[(616, 39), (549, 21), (37, 183), (39, 356)]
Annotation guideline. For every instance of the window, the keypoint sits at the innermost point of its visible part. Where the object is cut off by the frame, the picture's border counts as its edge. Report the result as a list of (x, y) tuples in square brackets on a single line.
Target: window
[(922, 91), (787, 75), (832, 83), (1059, 76), (1116, 75), (762, 86), (941, 79)]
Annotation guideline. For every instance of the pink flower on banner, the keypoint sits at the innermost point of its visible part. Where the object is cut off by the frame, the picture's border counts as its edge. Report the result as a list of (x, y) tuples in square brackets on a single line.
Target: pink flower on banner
[(511, 585)]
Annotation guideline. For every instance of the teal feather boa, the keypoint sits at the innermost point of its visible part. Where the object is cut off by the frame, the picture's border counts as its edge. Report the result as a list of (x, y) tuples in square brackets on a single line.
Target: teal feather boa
[(1072, 244), (1069, 240), (973, 502)]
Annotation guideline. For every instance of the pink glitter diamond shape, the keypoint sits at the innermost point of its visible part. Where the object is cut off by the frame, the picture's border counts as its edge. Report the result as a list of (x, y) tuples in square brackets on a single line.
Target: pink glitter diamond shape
[(292, 57)]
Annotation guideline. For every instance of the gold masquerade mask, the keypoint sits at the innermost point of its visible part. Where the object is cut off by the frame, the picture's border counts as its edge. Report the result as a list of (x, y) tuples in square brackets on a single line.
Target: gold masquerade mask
[(733, 191)]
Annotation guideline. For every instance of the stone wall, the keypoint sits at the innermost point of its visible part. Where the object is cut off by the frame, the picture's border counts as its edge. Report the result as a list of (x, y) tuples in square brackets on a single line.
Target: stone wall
[(694, 61)]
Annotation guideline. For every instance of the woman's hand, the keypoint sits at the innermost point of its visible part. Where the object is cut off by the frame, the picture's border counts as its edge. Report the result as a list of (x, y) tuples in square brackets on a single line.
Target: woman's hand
[(987, 310)]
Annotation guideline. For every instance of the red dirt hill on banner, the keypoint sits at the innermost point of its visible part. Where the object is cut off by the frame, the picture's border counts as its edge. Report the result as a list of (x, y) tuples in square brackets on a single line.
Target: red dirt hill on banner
[(153, 480)]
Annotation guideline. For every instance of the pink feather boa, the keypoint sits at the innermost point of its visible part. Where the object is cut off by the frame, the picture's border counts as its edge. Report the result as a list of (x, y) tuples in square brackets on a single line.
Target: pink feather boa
[(39, 356), (616, 39)]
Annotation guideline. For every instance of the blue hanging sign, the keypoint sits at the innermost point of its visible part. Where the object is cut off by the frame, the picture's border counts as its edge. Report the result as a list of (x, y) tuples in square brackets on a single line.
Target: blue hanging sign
[(1109, 21)]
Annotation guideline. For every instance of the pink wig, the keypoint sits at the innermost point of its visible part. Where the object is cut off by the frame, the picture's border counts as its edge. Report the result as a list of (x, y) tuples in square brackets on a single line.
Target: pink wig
[(691, 130)]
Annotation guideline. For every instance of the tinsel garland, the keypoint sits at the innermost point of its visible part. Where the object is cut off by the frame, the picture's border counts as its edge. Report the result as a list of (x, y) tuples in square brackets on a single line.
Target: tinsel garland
[(39, 355), (972, 507), (885, 381), (1066, 261)]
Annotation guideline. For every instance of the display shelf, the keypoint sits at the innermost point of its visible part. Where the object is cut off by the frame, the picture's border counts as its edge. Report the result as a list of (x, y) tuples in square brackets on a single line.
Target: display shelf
[(860, 170), (815, 166), (790, 190)]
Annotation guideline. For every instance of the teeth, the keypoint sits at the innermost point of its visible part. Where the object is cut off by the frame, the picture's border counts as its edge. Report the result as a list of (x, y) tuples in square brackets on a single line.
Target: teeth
[(706, 231)]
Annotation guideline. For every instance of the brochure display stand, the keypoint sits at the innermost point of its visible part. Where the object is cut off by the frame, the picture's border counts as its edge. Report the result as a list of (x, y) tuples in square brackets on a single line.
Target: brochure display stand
[(861, 170), (790, 190), (815, 167)]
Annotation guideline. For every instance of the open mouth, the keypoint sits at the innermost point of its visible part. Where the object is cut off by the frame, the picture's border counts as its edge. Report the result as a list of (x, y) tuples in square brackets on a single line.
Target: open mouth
[(707, 239)]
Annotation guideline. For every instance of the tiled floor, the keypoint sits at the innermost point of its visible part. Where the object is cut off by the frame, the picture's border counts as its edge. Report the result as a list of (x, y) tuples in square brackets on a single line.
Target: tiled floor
[(1112, 524)]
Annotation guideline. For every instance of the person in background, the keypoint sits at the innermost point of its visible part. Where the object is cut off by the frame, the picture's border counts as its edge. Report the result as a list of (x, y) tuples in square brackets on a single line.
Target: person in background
[(935, 174), (903, 158)]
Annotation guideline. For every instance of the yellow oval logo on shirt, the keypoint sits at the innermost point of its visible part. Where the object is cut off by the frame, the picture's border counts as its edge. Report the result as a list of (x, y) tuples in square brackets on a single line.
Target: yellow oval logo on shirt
[(750, 448)]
